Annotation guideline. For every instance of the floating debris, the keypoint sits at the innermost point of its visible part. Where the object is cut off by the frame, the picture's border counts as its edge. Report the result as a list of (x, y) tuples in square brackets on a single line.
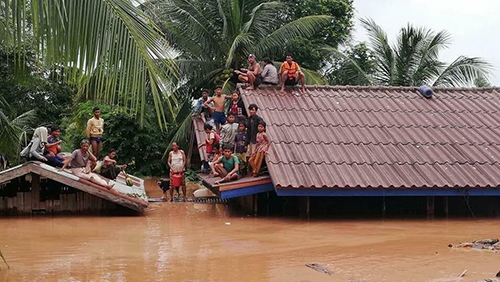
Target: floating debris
[(485, 244), (318, 267)]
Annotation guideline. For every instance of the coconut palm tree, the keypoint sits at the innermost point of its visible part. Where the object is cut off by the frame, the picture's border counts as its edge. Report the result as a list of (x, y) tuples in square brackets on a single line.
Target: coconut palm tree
[(109, 48), (414, 60), (13, 129), (213, 35)]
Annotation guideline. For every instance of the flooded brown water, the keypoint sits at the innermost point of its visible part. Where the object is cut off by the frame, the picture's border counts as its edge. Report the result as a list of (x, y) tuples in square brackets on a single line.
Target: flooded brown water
[(195, 242)]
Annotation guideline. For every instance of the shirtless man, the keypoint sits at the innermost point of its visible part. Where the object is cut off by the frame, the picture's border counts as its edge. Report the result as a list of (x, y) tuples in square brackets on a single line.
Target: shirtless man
[(219, 101), (252, 74)]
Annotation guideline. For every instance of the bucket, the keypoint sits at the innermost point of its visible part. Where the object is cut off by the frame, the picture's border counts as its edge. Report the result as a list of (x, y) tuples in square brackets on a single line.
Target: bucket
[(176, 180)]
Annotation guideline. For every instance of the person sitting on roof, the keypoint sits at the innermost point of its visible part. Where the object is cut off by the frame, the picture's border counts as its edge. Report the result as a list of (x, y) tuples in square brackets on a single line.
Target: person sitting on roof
[(263, 144), (269, 73), (229, 169), (252, 74), (219, 101), (80, 161), (236, 107), (110, 167), (291, 74), (36, 148), (205, 112), (53, 147)]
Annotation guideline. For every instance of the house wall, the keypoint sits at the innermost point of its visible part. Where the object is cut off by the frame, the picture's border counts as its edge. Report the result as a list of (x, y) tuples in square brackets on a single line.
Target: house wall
[(29, 195)]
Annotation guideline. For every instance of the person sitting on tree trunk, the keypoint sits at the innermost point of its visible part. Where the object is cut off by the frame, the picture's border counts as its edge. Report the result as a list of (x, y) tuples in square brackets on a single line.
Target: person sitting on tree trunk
[(229, 169), (252, 74), (263, 144), (80, 161), (110, 168), (291, 74), (95, 129)]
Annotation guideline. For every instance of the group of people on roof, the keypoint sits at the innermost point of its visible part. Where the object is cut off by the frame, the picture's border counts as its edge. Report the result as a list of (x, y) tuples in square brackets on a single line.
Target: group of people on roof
[(46, 147), (236, 141), (289, 73)]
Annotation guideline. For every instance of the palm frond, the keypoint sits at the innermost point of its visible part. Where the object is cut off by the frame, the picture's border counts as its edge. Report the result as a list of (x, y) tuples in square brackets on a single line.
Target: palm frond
[(109, 48), (303, 27), (354, 70), (240, 45), (463, 72), (261, 18), (182, 134), (382, 50)]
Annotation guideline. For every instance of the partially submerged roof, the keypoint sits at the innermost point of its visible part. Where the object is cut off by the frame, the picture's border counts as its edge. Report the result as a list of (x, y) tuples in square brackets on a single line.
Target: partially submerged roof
[(241, 187), (381, 137), (133, 197)]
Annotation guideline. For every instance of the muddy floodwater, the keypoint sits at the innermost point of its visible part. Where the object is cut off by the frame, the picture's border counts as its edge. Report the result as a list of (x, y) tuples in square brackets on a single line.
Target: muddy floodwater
[(200, 242)]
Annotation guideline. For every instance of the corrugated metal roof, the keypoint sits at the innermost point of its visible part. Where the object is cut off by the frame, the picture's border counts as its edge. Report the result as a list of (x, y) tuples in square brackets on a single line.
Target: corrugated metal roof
[(381, 137)]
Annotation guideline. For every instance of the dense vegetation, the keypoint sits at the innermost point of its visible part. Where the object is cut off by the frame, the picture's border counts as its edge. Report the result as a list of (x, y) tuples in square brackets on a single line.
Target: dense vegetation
[(143, 65)]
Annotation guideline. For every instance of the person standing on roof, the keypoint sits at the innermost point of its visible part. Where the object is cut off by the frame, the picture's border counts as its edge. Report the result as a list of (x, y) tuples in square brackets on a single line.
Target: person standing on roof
[(205, 112), (269, 73), (219, 101), (260, 152), (237, 108), (291, 74), (252, 74), (252, 128), (228, 132), (95, 129)]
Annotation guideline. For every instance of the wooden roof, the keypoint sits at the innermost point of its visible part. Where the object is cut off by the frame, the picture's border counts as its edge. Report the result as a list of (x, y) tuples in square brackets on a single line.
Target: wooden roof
[(133, 197)]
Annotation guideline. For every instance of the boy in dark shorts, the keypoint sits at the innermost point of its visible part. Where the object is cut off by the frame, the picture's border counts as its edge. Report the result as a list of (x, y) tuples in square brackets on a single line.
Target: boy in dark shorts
[(229, 169), (219, 101)]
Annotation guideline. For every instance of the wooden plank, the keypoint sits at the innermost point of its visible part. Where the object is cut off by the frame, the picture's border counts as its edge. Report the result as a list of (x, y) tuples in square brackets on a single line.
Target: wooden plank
[(430, 207), (10, 203), (79, 201), (71, 202), (3, 204), (63, 198), (190, 147), (27, 202), (19, 202), (35, 191), (87, 202), (15, 172)]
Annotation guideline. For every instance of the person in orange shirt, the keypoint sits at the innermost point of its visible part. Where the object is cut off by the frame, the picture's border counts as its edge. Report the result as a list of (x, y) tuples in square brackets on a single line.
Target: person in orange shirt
[(290, 73)]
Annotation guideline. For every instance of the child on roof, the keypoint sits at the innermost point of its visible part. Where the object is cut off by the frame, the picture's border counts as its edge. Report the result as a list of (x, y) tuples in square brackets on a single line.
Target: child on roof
[(219, 102), (228, 131), (229, 169), (263, 145), (212, 139), (237, 108), (240, 146)]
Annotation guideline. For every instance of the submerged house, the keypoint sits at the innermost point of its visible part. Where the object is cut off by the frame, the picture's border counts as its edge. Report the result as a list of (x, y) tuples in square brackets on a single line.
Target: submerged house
[(35, 187), (353, 141)]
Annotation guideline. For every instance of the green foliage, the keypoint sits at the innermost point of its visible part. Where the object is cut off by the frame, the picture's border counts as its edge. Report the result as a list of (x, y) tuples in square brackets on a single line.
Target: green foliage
[(32, 89), (344, 66), (213, 36), (143, 145), (414, 59), (109, 49), (309, 51)]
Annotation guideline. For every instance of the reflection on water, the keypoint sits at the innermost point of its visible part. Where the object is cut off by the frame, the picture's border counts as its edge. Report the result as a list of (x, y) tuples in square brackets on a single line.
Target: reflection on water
[(193, 242)]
